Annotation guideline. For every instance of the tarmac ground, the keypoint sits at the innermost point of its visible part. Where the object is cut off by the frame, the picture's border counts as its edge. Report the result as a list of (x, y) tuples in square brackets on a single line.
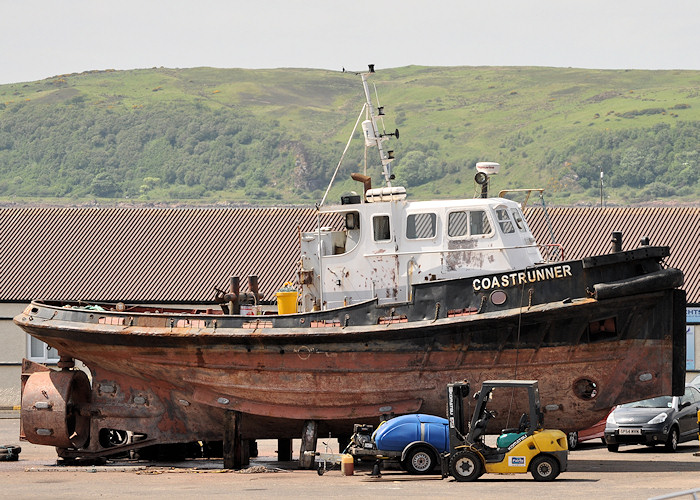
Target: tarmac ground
[(634, 472)]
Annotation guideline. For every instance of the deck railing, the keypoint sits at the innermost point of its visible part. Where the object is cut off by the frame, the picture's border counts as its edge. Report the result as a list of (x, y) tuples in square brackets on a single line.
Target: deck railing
[(552, 252)]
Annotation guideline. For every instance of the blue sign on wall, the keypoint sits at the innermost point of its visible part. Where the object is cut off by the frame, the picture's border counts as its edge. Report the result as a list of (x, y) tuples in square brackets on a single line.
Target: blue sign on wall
[(692, 314)]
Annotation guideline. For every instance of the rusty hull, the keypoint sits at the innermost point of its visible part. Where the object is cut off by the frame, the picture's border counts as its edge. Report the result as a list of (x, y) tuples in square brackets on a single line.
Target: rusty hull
[(175, 383)]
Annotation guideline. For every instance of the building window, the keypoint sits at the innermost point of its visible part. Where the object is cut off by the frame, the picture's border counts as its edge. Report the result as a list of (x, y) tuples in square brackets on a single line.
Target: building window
[(421, 226), (40, 352)]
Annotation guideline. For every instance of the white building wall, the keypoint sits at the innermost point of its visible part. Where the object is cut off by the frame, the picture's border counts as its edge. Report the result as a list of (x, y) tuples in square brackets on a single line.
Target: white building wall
[(14, 347)]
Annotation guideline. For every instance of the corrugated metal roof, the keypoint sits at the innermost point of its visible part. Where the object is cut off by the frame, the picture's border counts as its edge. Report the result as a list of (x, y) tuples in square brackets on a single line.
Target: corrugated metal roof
[(180, 255), (588, 231), (146, 255)]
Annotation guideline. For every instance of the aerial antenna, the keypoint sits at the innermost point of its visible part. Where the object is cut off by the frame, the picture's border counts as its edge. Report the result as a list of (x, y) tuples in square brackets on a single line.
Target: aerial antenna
[(380, 114), (373, 137)]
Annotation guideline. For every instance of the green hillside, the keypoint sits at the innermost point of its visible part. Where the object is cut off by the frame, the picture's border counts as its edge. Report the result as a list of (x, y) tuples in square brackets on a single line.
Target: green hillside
[(208, 135)]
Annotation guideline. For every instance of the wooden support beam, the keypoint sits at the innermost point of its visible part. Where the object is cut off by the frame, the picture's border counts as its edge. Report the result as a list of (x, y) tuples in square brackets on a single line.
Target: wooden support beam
[(308, 443), (235, 448)]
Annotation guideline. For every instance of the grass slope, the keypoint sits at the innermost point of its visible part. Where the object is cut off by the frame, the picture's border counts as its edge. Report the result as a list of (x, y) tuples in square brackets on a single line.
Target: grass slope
[(526, 118)]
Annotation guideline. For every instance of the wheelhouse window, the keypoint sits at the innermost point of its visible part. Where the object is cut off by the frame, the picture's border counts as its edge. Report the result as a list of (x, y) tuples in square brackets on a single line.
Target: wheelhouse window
[(518, 218), (479, 223), (457, 224), (352, 220), (467, 222), (421, 226), (504, 221), (382, 230)]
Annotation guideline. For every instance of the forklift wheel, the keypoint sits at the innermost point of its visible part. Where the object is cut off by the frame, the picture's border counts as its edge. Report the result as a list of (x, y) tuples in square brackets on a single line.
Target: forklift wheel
[(466, 465), (544, 468)]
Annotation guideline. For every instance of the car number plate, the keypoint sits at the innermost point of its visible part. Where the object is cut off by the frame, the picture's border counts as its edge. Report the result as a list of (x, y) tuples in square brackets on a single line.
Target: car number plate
[(630, 431)]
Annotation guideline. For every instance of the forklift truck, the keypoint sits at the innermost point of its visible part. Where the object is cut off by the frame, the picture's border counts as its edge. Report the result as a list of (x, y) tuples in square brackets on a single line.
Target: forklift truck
[(526, 448)]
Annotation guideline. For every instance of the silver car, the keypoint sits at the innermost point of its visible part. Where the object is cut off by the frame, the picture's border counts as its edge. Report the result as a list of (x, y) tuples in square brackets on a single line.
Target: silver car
[(666, 420)]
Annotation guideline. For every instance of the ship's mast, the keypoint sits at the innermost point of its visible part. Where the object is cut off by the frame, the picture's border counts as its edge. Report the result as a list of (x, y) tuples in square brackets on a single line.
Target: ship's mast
[(373, 137)]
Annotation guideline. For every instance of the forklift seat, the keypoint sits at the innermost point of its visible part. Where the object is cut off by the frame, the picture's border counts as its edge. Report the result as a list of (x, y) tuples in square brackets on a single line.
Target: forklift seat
[(508, 436), (505, 440), (523, 425)]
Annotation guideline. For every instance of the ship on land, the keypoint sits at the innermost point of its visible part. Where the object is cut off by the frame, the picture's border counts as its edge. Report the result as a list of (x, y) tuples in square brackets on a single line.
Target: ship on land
[(394, 300)]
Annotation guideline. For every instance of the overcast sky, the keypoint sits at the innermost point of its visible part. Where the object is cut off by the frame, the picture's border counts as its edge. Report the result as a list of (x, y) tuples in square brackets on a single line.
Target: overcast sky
[(44, 38)]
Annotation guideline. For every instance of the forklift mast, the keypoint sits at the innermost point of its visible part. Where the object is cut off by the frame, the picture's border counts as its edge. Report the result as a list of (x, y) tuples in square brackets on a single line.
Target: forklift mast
[(456, 392)]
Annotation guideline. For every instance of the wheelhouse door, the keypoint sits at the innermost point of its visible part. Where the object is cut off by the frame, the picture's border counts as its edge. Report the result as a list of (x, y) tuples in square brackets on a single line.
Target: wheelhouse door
[(383, 259)]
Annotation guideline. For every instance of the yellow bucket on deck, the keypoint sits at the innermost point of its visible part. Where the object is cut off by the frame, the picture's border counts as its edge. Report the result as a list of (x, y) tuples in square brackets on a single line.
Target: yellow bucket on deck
[(287, 299)]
